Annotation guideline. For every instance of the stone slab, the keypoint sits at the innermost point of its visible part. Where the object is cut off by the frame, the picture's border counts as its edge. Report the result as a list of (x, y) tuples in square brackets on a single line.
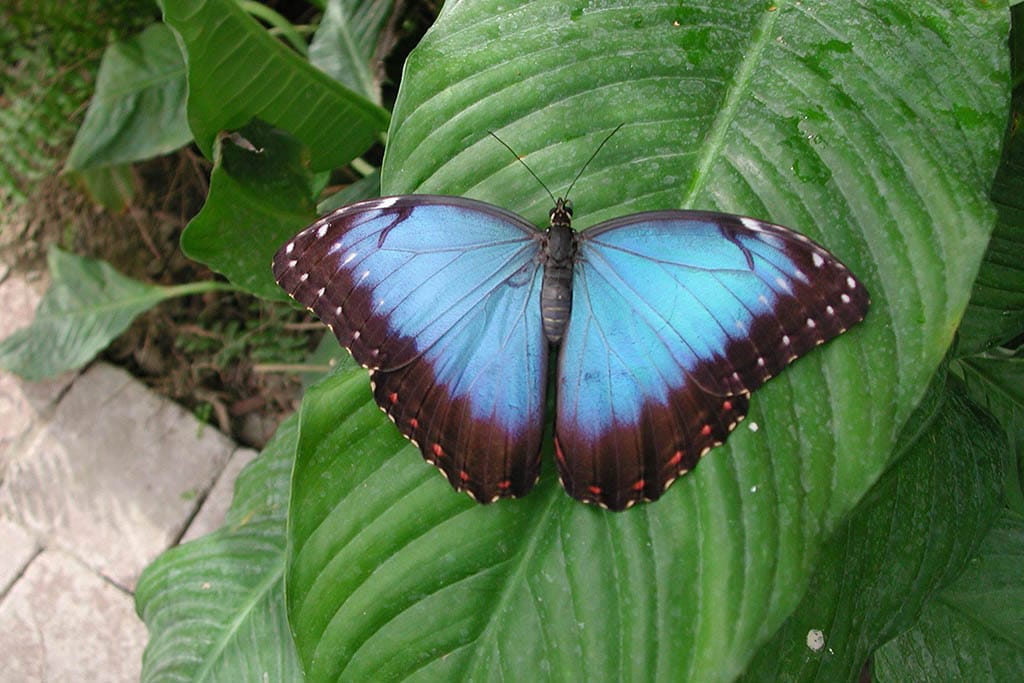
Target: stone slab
[(115, 475), (215, 507), (17, 547), (61, 622), (22, 403)]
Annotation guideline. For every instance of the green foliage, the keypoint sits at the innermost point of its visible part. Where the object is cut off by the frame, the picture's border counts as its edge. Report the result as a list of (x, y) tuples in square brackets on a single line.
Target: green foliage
[(862, 504), (138, 109), (973, 630), (49, 51), (238, 72), (260, 190), (87, 305), (910, 536), (349, 43)]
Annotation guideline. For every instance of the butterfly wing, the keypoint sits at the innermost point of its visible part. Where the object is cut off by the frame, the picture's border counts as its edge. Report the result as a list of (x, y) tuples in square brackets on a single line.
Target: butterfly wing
[(677, 316), (440, 298)]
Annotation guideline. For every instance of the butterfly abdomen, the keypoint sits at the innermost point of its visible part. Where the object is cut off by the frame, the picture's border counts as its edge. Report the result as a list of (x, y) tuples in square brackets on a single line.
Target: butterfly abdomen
[(556, 289)]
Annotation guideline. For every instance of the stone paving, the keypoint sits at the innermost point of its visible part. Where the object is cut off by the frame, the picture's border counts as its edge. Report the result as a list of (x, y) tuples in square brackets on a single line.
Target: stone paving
[(98, 476)]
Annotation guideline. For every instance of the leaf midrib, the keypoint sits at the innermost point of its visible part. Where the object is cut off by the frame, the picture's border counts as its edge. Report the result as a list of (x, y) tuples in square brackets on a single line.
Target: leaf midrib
[(715, 139)]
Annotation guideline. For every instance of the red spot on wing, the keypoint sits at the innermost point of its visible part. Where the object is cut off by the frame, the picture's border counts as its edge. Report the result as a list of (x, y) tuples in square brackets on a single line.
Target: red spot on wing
[(596, 490), (393, 397), (414, 423), (675, 459), (438, 451), (727, 405), (705, 430), (639, 485), (463, 475), (504, 484)]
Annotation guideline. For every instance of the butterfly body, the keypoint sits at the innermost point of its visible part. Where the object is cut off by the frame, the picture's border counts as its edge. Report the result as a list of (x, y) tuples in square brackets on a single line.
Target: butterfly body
[(556, 288), (663, 324)]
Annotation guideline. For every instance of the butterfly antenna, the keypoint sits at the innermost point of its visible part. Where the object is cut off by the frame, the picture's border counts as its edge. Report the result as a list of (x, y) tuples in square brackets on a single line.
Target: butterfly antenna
[(520, 160), (607, 138)]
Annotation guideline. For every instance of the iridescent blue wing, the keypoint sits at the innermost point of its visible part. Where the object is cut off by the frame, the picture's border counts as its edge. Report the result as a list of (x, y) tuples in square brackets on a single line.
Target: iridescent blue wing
[(440, 298), (677, 316)]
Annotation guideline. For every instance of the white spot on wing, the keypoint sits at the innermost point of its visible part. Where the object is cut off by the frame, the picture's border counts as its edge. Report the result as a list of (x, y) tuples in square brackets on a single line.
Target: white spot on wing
[(785, 285), (321, 231), (851, 283), (387, 202), (303, 277), (817, 259), (845, 298), (751, 224), (785, 340), (348, 258), (290, 248), (811, 323)]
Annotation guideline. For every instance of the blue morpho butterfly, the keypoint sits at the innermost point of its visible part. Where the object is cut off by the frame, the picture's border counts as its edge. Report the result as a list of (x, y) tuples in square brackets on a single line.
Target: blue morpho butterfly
[(663, 323)]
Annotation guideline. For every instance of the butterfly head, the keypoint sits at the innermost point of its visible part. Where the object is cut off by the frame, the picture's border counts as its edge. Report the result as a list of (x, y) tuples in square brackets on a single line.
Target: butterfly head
[(561, 213)]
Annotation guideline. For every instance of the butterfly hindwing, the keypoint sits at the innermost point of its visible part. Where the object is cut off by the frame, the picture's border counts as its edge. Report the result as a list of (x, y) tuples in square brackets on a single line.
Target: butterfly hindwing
[(439, 297), (677, 316)]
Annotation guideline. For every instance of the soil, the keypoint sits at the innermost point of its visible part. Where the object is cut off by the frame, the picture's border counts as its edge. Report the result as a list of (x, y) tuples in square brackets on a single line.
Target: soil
[(214, 353)]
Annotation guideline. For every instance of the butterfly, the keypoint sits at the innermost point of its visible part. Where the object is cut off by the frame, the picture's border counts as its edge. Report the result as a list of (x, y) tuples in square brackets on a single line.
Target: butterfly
[(662, 323)]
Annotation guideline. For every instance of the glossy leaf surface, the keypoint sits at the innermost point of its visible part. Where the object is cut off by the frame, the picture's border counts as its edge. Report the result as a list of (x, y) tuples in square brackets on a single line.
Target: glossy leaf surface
[(813, 116)]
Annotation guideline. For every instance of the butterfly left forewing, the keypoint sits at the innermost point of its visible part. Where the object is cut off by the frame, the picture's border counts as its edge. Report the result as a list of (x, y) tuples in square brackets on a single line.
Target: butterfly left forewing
[(677, 317), (432, 294)]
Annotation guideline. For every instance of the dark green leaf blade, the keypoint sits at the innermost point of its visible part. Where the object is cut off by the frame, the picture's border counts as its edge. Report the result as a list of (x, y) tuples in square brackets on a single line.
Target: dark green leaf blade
[(215, 607), (910, 536), (87, 305), (237, 72), (996, 311), (259, 196), (996, 381), (138, 110), (973, 630)]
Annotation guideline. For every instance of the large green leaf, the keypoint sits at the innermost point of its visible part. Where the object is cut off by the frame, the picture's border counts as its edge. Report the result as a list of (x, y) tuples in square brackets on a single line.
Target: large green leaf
[(138, 110), (909, 537), (973, 630), (260, 195), (237, 71), (814, 115), (87, 305), (215, 607)]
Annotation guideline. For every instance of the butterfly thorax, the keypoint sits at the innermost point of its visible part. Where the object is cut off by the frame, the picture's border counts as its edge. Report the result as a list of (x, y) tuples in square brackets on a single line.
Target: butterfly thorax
[(559, 253)]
